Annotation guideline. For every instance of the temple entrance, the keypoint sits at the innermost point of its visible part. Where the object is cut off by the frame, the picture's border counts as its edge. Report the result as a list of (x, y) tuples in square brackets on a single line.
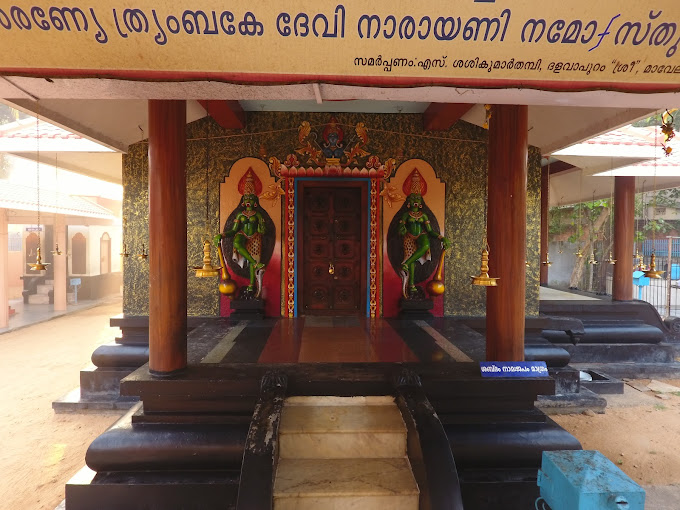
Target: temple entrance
[(333, 240)]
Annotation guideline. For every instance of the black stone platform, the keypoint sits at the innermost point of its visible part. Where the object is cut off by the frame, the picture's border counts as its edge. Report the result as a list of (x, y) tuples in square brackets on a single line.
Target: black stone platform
[(197, 423), (99, 388), (602, 313), (247, 309), (415, 309)]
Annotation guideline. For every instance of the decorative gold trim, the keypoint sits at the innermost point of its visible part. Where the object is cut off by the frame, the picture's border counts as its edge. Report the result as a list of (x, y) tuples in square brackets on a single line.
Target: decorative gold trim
[(373, 255), (290, 254)]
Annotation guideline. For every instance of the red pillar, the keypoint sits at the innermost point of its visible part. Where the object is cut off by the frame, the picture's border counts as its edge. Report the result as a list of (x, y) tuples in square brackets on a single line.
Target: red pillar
[(545, 222), (507, 184), (624, 236), (59, 262), (167, 238)]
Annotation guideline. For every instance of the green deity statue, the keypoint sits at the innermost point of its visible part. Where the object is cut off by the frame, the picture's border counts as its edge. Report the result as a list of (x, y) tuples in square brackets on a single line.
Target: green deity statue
[(416, 231), (247, 231)]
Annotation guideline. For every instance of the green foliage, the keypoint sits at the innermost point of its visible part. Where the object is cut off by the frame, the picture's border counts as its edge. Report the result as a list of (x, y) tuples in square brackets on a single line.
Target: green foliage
[(658, 226), (654, 120)]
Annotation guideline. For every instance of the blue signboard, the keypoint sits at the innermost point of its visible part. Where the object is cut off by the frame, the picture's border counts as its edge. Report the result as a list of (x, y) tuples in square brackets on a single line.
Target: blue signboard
[(513, 369)]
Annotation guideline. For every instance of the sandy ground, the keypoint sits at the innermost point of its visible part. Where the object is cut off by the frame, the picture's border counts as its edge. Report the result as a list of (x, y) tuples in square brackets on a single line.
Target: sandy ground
[(41, 450), (639, 432)]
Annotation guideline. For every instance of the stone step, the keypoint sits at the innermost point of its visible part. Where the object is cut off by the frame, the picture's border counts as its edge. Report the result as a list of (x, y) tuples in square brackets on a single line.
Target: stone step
[(44, 289), (49, 282), (313, 484), (38, 299), (342, 429)]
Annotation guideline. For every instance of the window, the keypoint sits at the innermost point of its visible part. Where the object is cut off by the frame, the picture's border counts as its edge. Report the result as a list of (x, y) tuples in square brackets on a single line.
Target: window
[(14, 241)]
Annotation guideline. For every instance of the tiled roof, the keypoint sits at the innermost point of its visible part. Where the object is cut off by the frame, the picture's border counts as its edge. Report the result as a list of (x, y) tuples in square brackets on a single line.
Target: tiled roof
[(628, 135), (25, 198), (26, 128)]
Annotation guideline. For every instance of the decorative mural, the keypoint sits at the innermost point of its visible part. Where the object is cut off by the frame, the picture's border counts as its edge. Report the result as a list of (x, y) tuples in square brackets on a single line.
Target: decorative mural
[(284, 147)]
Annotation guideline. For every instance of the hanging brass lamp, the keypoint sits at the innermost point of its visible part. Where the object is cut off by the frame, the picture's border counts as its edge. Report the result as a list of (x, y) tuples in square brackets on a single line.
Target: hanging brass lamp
[(591, 259), (125, 252), (547, 262), (207, 270), (483, 279), (652, 272), (144, 254), (56, 250), (579, 253), (610, 260), (38, 265)]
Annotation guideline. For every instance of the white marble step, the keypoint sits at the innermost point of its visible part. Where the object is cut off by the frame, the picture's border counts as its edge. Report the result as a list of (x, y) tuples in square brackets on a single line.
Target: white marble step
[(38, 299), (337, 484), (44, 289), (341, 431)]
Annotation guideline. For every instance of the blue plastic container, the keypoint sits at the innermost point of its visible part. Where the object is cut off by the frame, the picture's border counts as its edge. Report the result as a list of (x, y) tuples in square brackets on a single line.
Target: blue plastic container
[(586, 480)]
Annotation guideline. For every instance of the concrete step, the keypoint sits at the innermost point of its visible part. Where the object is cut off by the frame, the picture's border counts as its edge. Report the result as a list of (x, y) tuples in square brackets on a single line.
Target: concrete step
[(313, 484), (44, 288), (38, 299), (337, 453), (341, 430)]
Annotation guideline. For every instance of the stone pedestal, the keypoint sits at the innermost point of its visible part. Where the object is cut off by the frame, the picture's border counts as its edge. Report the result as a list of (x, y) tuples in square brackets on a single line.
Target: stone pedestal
[(247, 309), (415, 308)]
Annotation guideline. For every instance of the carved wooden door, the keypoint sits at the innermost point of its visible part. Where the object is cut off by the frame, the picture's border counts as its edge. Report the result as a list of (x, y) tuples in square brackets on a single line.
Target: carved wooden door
[(333, 279)]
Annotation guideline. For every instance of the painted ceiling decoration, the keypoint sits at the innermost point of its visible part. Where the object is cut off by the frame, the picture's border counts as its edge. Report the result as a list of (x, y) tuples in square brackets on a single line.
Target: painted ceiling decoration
[(327, 151)]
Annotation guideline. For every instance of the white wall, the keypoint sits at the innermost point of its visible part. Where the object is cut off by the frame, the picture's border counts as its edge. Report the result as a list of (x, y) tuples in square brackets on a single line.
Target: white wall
[(93, 234)]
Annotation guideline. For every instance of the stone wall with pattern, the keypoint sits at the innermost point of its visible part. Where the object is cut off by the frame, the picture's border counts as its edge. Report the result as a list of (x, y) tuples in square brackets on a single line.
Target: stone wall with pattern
[(458, 156)]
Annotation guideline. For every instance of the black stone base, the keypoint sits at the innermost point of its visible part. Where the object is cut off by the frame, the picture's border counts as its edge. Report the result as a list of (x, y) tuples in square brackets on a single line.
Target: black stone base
[(168, 491), (635, 370), (573, 403), (493, 489), (618, 353), (415, 309), (99, 391), (247, 309), (602, 384), (567, 380)]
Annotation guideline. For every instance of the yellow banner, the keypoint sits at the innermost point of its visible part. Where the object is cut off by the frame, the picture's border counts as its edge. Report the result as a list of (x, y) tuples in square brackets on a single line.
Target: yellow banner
[(473, 42)]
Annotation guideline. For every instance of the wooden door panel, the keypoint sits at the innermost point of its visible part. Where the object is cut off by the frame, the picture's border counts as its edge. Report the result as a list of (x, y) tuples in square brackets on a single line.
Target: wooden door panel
[(332, 239), (345, 298)]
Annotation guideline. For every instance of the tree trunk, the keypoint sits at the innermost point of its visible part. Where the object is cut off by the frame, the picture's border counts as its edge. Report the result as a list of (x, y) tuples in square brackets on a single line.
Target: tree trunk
[(577, 272)]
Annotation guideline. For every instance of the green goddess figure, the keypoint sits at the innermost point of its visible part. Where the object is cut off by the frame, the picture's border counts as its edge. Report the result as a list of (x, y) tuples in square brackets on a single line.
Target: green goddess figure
[(247, 231), (416, 231)]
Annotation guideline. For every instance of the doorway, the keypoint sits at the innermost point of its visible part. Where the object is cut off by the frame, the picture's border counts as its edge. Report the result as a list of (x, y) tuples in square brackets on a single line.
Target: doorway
[(333, 234)]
